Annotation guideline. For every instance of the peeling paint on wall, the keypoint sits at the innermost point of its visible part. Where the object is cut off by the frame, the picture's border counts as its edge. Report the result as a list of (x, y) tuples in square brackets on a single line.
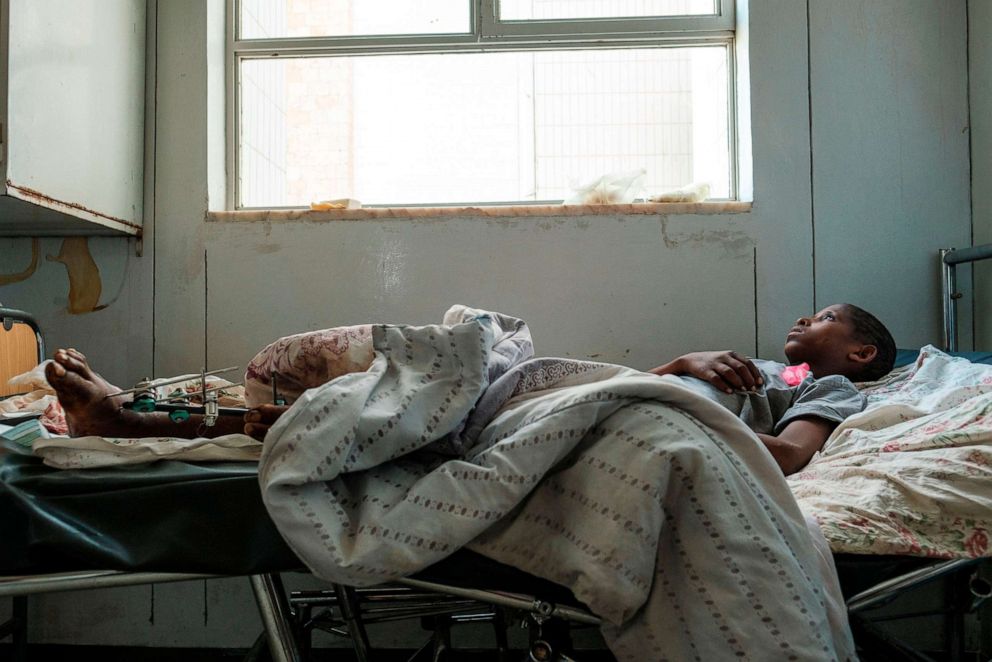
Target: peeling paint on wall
[(736, 243), (85, 284), (7, 279)]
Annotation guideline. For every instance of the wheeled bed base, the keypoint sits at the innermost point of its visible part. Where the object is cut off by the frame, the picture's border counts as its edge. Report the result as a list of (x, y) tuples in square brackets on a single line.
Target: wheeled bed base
[(269, 596), (965, 591), (290, 619), (346, 611)]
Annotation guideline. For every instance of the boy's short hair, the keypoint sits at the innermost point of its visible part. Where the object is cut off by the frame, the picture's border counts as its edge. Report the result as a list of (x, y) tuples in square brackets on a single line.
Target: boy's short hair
[(869, 330)]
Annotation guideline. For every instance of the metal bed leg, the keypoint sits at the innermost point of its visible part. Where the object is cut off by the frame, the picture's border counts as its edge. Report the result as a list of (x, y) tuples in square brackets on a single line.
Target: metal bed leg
[(499, 629), (20, 638), (875, 643), (348, 604), (955, 617), (17, 629), (949, 297), (274, 611), (441, 638)]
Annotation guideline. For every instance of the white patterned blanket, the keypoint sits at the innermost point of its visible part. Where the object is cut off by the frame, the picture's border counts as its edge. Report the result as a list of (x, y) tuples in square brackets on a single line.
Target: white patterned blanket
[(656, 507), (912, 473)]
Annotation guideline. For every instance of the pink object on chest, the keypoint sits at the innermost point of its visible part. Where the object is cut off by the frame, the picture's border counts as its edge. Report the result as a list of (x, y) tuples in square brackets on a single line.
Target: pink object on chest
[(795, 374)]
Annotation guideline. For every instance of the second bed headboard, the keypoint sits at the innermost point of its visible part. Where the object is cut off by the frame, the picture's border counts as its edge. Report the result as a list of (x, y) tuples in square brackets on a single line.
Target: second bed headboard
[(949, 259)]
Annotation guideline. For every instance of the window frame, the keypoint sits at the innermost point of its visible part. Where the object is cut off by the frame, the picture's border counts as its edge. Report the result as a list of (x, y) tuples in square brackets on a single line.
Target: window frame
[(487, 33)]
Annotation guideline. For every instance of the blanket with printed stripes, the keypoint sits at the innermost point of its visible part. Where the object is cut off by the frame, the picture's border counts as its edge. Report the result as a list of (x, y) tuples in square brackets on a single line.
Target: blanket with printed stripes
[(659, 509)]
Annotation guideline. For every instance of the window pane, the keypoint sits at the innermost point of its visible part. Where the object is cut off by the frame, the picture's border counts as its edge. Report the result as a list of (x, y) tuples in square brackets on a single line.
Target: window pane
[(476, 128), (270, 19), (523, 10)]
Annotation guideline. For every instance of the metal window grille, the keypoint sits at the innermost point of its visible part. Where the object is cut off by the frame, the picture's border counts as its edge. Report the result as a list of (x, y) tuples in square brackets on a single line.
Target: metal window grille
[(546, 100)]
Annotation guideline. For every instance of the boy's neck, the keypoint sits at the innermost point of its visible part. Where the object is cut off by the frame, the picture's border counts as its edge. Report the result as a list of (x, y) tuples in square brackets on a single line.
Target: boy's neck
[(825, 370)]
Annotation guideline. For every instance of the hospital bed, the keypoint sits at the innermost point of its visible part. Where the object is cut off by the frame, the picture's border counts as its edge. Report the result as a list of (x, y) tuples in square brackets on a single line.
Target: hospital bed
[(21, 347), (57, 534), (51, 532)]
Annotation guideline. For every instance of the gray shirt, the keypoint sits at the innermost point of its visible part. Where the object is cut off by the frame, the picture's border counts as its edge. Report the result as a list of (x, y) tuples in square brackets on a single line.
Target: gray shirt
[(776, 404)]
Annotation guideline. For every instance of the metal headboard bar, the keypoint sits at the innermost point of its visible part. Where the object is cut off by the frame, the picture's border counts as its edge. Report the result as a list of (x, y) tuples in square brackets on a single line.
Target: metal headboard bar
[(957, 256), (949, 259)]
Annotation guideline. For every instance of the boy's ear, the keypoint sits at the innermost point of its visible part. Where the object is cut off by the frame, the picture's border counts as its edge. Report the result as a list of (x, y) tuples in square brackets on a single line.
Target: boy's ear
[(865, 355)]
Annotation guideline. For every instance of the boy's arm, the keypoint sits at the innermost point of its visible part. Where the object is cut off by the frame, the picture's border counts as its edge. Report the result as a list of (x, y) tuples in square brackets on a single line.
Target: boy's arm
[(798, 441), (727, 370)]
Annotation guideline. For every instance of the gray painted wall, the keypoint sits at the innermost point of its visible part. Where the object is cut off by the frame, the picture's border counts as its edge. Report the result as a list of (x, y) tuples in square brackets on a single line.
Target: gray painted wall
[(890, 155), (980, 78), (860, 172)]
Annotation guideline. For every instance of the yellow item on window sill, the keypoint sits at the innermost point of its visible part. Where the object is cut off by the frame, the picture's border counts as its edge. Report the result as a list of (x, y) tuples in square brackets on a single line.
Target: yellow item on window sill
[(342, 203), (695, 192)]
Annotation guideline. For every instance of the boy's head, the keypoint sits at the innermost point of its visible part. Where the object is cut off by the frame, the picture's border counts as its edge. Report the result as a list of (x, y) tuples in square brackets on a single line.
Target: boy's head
[(842, 340)]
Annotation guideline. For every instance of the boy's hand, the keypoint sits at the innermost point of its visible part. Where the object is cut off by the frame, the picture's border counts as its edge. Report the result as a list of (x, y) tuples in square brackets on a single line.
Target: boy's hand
[(261, 418), (726, 370)]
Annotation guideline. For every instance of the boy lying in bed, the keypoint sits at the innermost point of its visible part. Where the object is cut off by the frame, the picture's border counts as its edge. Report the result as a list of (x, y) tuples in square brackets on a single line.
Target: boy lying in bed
[(792, 409)]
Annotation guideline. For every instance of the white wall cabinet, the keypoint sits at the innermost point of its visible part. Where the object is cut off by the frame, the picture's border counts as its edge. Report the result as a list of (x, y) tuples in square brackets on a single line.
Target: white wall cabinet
[(72, 108)]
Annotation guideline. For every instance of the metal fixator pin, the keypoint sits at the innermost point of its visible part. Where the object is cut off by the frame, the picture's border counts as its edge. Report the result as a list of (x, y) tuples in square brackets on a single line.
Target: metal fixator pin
[(276, 399), (209, 398)]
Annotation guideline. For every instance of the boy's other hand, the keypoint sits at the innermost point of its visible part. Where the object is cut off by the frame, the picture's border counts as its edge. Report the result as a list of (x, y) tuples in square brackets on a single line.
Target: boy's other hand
[(261, 418), (726, 370)]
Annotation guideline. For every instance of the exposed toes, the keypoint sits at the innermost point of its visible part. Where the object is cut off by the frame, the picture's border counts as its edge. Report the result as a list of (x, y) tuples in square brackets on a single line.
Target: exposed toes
[(76, 354), (54, 372), (73, 361), (74, 364)]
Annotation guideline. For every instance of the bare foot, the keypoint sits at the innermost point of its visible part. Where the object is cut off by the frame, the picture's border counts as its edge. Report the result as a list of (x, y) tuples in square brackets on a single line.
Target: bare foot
[(83, 395)]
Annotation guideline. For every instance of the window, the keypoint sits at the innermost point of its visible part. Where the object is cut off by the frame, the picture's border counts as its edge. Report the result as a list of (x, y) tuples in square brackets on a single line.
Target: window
[(457, 102)]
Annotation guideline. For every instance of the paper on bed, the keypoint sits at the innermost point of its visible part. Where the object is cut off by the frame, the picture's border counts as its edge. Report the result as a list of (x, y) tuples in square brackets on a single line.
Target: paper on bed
[(18, 438), (911, 474), (92, 452)]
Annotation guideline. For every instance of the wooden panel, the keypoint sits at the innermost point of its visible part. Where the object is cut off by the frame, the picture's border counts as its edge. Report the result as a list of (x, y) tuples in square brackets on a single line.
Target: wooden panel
[(18, 353)]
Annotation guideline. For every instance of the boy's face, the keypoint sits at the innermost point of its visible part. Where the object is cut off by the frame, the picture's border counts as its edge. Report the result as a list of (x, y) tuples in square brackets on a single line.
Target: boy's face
[(825, 341)]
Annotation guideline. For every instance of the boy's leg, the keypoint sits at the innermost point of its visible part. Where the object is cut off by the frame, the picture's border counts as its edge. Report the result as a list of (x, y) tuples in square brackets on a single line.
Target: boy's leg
[(88, 411)]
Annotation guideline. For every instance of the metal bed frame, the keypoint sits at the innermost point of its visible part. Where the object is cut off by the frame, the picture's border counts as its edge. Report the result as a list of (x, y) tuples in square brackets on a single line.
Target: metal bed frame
[(950, 258), (289, 620), (16, 626), (345, 611), (965, 592), (268, 592)]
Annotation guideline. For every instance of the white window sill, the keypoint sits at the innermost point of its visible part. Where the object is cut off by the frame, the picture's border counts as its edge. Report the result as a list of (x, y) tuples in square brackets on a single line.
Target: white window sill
[(507, 211)]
